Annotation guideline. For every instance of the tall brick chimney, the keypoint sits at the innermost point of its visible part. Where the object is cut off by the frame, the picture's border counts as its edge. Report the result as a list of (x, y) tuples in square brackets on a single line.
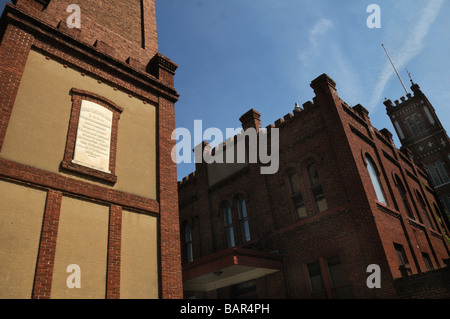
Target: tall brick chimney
[(251, 119)]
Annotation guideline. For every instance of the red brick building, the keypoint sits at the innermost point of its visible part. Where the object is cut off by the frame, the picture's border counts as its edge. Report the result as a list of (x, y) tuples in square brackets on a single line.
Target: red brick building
[(344, 198), (86, 176)]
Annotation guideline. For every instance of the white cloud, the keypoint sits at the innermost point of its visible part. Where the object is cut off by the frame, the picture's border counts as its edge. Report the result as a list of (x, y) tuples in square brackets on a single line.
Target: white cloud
[(319, 29), (412, 45)]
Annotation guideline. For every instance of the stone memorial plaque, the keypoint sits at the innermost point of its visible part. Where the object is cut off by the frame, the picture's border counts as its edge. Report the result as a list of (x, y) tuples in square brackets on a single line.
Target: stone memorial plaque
[(93, 141)]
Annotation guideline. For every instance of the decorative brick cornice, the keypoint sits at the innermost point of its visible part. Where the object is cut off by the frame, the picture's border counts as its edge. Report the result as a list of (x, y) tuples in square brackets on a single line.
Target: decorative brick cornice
[(165, 62), (388, 211), (46, 36)]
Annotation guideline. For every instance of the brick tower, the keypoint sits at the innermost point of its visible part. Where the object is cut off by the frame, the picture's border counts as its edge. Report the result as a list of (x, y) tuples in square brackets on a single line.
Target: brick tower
[(87, 185), (420, 131)]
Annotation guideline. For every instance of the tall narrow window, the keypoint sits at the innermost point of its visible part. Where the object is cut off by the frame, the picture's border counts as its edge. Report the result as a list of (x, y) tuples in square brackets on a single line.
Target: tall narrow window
[(401, 254), (419, 123), (188, 243), (446, 201), (316, 187), (339, 286), (434, 176), (428, 114), (442, 172), (412, 126), (229, 230), (402, 191), (427, 260), (243, 219), (327, 279), (424, 210), (438, 173), (415, 124), (374, 177), (316, 281), (438, 212), (296, 196)]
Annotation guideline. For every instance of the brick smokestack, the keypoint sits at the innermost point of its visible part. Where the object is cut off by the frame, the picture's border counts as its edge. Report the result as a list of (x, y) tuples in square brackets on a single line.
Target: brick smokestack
[(251, 119)]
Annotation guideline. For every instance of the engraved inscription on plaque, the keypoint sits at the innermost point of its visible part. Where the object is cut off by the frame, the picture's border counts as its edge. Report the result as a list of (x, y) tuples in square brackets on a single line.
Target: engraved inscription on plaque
[(92, 146)]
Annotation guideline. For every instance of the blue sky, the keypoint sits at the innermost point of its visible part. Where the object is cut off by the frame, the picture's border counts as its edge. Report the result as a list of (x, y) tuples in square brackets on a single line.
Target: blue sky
[(240, 54), (235, 55)]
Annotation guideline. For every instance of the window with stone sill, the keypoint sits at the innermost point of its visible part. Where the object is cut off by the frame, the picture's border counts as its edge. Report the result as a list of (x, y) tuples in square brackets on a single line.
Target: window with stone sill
[(228, 222), (424, 210), (375, 178), (327, 279), (315, 187), (403, 195), (296, 196), (188, 251), (401, 255), (91, 144), (243, 219), (427, 261)]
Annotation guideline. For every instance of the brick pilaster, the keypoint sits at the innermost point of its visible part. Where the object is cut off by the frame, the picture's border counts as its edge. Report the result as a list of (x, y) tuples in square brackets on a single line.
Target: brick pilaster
[(14, 50), (114, 252), (47, 246), (171, 278)]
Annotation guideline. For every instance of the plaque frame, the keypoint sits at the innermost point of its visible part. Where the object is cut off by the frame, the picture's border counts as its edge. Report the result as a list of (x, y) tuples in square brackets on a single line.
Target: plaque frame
[(85, 171)]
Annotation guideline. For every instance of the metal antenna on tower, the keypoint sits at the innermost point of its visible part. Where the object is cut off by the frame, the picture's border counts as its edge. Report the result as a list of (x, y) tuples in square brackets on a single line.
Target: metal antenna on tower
[(395, 69)]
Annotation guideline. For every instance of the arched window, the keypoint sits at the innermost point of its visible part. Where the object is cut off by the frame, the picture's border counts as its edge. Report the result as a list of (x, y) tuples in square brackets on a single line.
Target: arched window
[(243, 219), (424, 210), (315, 187), (374, 177), (229, 229), (296, 196), (402, 192), (188, 243)]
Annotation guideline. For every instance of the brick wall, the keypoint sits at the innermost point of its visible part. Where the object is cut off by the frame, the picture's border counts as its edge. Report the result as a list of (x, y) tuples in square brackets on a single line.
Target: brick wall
[(127, 30)]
